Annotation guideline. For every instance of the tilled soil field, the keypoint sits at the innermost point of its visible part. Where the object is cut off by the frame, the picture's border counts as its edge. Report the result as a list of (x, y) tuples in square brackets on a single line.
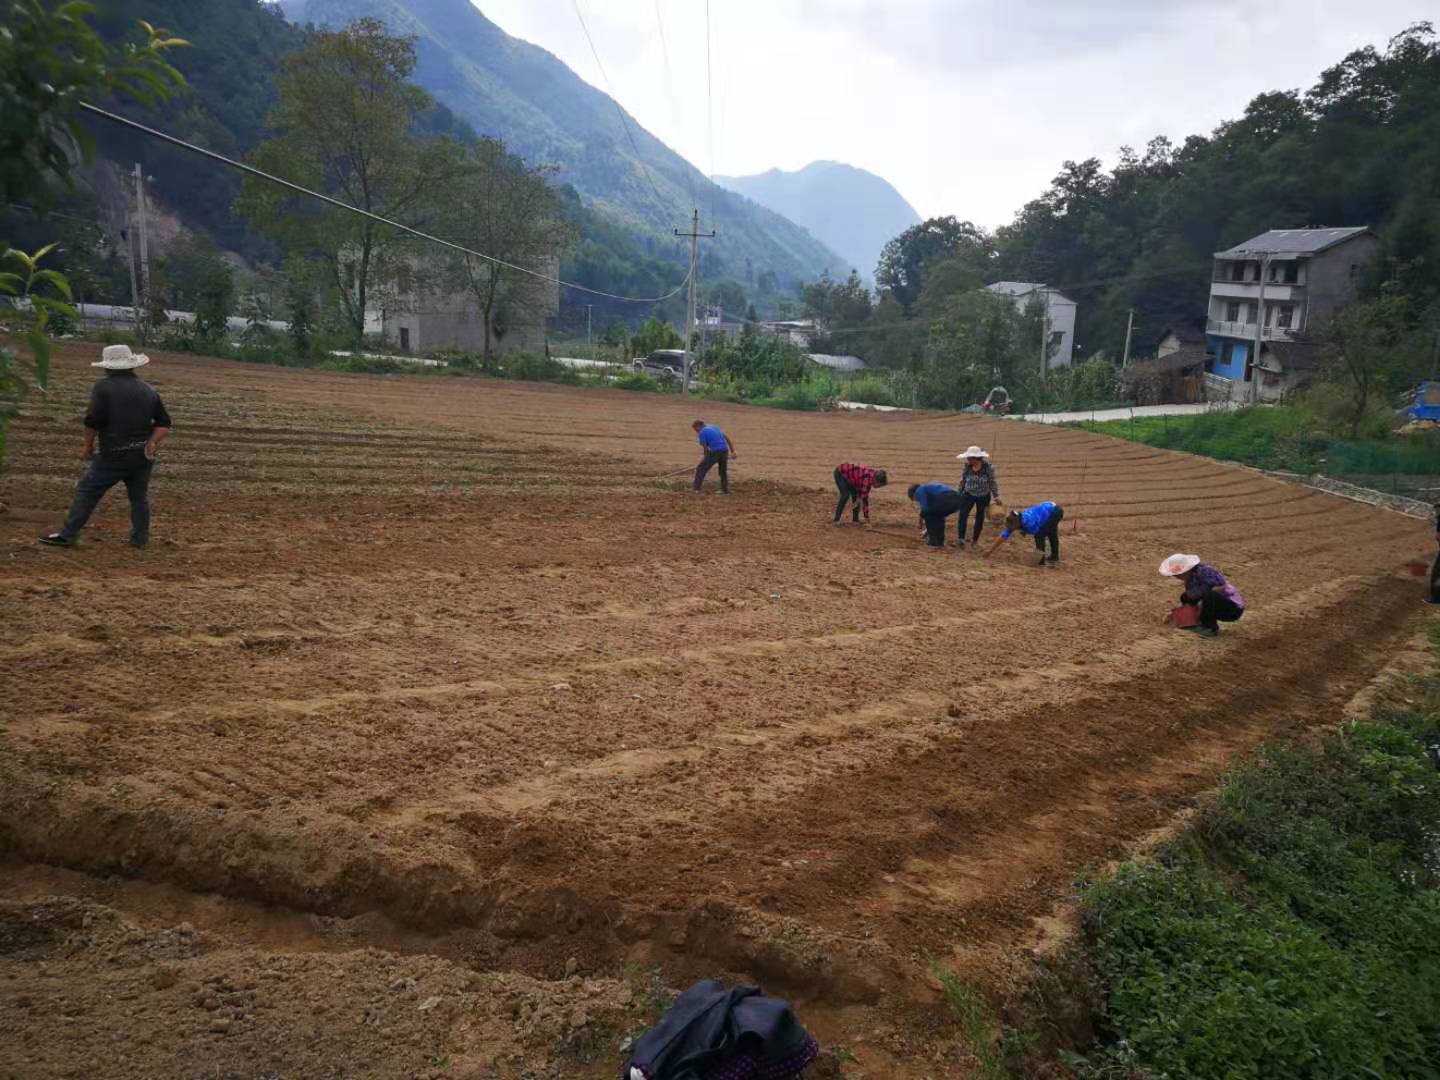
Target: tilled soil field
[(435, 734)]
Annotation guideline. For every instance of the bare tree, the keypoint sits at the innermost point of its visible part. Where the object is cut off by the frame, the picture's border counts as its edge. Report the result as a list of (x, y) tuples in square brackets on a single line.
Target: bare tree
[(507, 210)]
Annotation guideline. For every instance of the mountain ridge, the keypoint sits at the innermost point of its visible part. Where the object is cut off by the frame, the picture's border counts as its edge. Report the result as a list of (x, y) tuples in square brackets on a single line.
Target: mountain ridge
[(525, 95), (847, 208)]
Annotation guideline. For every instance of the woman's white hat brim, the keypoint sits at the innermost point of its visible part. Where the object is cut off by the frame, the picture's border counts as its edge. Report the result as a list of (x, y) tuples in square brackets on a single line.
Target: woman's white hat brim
[(1178, 564), (974, 452), (120, 358)]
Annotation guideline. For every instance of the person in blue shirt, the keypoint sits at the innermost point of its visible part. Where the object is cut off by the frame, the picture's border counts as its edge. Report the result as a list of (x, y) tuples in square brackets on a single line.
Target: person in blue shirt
[(1041, 521), (937, 502), (717, 450)]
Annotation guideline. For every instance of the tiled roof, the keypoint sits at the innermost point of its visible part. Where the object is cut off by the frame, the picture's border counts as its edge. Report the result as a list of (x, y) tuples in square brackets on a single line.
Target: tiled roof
[(1292, 242)]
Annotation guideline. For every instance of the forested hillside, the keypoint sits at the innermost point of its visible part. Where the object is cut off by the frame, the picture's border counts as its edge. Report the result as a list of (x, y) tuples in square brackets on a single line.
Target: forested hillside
[(1360, 147)]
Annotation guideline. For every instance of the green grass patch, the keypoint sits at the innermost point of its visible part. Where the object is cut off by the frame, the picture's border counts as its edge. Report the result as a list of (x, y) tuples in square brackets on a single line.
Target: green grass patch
[(1283, 437), (1295, 930)]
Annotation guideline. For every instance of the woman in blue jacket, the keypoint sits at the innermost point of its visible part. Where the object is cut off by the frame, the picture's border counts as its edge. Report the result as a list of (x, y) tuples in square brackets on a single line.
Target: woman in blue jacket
[(937, 502), (1042, 521)]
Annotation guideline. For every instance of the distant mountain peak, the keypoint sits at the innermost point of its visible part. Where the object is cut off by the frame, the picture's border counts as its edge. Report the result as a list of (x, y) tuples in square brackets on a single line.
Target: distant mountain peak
[(846, 208), (509, 88)]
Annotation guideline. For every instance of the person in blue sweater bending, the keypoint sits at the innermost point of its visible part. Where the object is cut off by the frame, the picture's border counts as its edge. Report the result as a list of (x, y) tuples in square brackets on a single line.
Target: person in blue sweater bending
[(937, 502), (1041, 521)]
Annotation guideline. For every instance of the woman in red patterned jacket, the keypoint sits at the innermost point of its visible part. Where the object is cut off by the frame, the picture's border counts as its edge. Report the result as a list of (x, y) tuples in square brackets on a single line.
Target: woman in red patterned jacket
[(854, 483)]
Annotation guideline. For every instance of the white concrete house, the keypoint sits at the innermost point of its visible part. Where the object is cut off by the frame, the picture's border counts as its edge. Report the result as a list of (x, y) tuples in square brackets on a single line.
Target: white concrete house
[(1059, 315)]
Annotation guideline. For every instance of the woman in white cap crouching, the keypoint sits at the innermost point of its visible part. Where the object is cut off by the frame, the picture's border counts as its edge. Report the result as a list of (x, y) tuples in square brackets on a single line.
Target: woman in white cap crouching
[(1205, 588), (978, 486)]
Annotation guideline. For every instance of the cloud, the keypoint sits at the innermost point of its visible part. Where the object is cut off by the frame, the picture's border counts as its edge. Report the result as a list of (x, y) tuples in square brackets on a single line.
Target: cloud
[(967, 106)]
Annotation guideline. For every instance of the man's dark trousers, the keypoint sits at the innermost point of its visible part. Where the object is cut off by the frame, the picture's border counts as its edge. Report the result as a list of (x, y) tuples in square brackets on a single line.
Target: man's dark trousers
[(941, 508), (716, 458), (132, 468), (1051, 532), (847, 493)]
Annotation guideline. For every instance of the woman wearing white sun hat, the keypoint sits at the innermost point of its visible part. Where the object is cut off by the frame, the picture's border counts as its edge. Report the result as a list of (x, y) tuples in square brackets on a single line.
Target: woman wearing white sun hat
[(978, 486), (1206, 589), (128, 419)]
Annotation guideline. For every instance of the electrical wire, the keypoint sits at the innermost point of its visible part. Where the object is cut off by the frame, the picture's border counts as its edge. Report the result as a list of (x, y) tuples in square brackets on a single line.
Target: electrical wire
[(675, 114), (127, 122), (616, 102), (709, 114)]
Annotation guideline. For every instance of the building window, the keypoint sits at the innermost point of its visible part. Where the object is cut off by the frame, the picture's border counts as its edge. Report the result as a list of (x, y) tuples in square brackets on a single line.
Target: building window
[(1292, 272), (403, 278), (404, 339), (1285, 316), (1232, 311), (1237, 271)]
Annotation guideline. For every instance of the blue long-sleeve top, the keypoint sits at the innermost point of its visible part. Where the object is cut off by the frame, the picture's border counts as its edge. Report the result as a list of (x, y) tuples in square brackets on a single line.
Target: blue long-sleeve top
[(925, 493), (1033, 519)]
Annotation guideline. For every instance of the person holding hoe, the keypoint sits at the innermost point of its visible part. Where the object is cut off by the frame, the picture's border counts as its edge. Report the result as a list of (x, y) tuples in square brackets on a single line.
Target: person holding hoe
[(1042, 521), (854, 483), (1206, 589), (716, 451), (977, 487), (129, 421), (936, 502)]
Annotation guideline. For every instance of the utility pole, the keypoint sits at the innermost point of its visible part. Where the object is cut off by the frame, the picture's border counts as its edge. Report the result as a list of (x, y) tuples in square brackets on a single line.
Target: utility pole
[(1129, 328), (694, 234), (1259, 330), (589, 337), (144, 232), (1044, 334)]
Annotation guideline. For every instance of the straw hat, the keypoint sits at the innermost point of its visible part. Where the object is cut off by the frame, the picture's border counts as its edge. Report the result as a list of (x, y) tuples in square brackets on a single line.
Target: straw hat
[(1178, 564), (973, 452), (120, 358)]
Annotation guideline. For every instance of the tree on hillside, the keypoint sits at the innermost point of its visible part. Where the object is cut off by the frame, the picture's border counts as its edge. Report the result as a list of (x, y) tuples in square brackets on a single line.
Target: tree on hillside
[(836, 304), (346, 117), (981, 340), (53, 60), (1362, 344), (504, 209), (903, 260)]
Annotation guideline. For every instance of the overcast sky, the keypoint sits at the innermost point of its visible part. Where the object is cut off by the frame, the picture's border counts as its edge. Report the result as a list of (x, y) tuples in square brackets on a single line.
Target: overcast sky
[(967, 106)]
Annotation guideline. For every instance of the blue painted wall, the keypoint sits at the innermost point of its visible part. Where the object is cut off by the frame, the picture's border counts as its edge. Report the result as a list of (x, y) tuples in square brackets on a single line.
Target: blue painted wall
[(1236, 368)]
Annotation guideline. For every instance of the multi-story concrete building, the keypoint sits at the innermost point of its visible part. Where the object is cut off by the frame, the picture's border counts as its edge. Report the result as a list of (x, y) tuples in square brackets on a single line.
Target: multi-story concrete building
[(1059, 315), (1275, 288)]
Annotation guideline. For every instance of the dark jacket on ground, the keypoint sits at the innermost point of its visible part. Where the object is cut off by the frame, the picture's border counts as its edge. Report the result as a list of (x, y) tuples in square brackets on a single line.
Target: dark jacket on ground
[(715, 1032)]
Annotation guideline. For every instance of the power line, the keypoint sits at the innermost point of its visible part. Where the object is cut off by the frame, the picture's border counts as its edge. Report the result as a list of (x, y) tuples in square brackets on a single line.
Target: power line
[(618, 110), (675, 115), (373, 217), (709, 112)]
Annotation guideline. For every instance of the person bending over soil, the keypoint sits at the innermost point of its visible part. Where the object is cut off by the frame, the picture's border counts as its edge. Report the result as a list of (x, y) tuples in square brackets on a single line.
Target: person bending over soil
[(1042, 521), (716, 451), (937, 502), (854, 483)]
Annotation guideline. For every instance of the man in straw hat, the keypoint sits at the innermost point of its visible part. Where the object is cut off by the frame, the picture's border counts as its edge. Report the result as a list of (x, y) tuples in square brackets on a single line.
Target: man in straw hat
[(978, 486), (1205, 588), (129, 421)]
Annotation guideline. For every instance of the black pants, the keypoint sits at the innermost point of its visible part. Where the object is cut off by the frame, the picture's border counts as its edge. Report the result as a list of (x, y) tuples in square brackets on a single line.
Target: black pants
[(847, 493), (717, 458), (132, 468), (934, 518), (1215, 608), (980, 503), (1051, 532)]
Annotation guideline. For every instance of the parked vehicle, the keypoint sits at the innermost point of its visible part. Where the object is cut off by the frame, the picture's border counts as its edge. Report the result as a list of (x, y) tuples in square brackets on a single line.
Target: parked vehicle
[(665, 365), (997, 401)]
